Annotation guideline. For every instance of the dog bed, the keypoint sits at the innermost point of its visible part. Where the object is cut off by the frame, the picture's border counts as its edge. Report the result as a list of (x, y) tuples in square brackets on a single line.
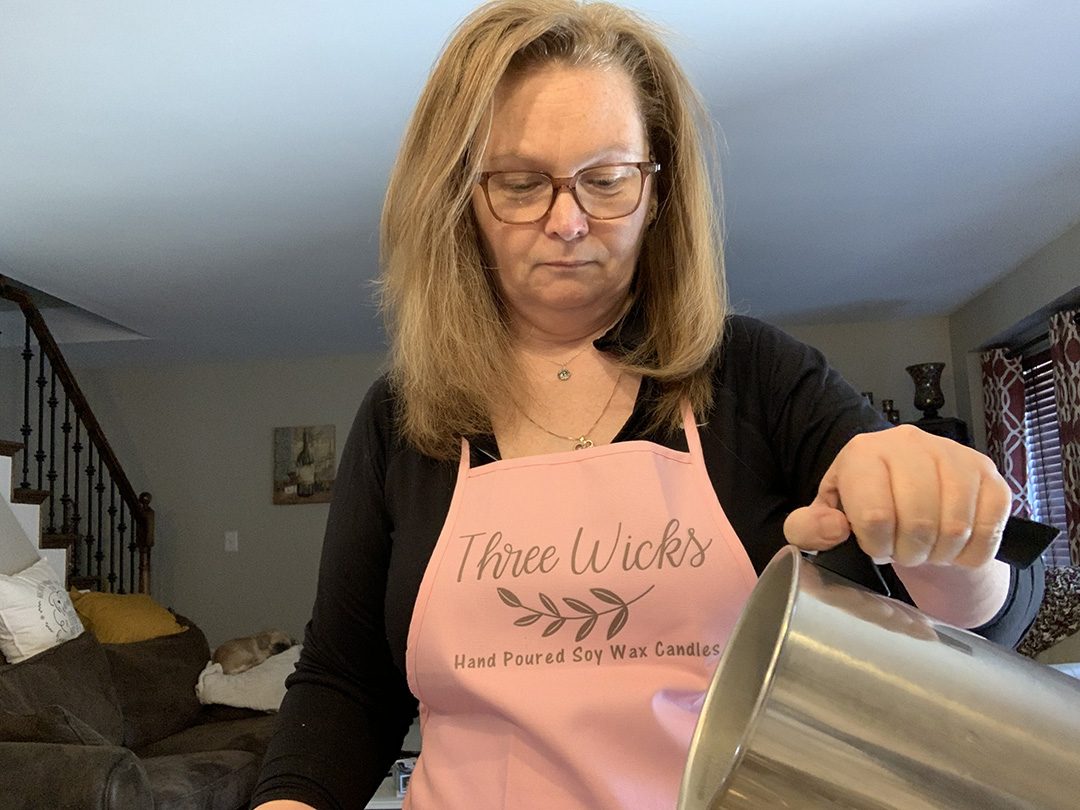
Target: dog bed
[(261, 687)]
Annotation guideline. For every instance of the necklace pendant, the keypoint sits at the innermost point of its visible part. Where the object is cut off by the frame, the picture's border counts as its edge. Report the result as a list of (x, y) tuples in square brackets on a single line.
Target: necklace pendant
[(564, 374), (583, 442)]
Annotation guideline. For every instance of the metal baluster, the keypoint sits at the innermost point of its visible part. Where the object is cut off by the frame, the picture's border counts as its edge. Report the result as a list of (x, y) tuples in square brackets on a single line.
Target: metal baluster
[(99, 488), (65, 493), (26, 431), (76, 515), (39, 456), (122, 529), (89, 538), (112, 539), (51, 476)]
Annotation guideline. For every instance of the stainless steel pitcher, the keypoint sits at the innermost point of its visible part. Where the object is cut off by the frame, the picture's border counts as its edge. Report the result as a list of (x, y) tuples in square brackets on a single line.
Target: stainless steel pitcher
[(828, 695)]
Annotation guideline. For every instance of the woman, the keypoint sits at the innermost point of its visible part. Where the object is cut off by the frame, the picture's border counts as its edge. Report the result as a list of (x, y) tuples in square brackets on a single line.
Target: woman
[(550, 512)]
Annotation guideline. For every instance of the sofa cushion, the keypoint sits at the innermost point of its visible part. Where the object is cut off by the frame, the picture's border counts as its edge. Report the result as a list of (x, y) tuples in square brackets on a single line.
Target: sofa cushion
[(56, 776), (123, 618), (250, 734), (155, 681), (221, 780), (74, 675), (49, 724)]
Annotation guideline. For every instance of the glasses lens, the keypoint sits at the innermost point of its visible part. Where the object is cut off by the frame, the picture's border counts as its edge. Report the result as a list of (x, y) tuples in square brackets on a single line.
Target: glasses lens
[(603, 192), (608, 192), (519, 196)]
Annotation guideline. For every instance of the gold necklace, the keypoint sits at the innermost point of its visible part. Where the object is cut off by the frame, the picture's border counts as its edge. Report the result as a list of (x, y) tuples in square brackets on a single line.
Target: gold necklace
[(582, 441), (564, 372)]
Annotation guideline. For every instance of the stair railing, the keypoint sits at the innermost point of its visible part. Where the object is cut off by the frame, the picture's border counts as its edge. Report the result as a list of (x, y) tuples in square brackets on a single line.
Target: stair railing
[(88, 503)]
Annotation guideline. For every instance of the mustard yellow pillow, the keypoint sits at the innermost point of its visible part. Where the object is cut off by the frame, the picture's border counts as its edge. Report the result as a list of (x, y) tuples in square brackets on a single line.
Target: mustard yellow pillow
[(116, 618)]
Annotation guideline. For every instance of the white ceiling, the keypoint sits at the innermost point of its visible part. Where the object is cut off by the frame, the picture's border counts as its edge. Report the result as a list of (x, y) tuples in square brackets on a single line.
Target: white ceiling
[(209, 174)]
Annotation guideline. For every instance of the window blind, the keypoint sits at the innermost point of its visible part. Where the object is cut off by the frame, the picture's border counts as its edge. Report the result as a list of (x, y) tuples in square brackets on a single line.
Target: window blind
[(1045, 489)]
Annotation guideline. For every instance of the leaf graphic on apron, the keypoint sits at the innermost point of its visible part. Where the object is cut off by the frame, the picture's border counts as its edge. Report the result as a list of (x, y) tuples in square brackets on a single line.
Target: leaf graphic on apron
[(585, 613)]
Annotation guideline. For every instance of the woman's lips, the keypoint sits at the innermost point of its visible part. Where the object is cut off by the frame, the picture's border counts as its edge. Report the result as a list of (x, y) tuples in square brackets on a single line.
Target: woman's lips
[(566, 263)]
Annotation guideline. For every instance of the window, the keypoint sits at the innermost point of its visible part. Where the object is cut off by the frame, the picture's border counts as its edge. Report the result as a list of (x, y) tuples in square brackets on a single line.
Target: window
[(1046, 492)]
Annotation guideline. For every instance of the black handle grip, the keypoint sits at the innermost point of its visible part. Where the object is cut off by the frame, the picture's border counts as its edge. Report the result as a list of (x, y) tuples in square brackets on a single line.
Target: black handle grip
[(1022, 542)]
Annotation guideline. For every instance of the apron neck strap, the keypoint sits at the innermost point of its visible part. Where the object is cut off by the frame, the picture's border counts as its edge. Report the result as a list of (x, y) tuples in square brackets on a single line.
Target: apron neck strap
[(463, 462), (693, 440)]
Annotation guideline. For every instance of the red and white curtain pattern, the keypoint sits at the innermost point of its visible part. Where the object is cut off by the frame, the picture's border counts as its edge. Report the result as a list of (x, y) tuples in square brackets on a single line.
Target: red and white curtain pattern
[(1065, 361), (1003, 409)]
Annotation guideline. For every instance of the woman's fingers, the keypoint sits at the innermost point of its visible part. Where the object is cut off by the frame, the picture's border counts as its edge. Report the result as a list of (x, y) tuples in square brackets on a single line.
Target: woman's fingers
[(863, 484), (991, 513), (917, 497), (958, 507), (910, 497)]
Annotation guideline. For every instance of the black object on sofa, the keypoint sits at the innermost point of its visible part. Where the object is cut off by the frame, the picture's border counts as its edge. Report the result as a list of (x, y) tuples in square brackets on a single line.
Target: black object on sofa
[(89, 726)]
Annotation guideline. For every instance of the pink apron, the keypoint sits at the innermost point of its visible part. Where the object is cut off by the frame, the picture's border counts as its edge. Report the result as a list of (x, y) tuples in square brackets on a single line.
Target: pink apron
[(567, 626)]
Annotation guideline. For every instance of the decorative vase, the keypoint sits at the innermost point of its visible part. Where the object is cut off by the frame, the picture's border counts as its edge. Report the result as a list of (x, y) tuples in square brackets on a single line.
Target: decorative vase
[(891, 414), (928, 396)]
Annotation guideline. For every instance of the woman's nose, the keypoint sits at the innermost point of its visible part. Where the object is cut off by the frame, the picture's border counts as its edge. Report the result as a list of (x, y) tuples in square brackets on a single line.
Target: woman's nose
[(566, 219)]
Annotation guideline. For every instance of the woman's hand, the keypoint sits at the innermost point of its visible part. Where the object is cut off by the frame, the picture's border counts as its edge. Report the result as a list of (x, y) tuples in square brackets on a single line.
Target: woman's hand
[(933, 507), (910, 497)]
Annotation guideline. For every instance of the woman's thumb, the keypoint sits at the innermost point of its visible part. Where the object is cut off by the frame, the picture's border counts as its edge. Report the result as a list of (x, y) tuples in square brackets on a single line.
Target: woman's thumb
[(816, 527)]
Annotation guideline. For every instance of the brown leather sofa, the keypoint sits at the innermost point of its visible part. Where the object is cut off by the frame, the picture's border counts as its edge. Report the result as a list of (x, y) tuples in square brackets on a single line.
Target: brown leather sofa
[(89, 726)]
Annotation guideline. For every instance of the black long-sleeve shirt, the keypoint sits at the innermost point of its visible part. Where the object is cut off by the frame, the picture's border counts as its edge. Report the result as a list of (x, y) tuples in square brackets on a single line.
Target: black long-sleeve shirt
[(780, 416)]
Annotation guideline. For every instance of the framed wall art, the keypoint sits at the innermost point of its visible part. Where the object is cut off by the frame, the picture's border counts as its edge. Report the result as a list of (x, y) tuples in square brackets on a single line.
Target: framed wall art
[(304, 464)]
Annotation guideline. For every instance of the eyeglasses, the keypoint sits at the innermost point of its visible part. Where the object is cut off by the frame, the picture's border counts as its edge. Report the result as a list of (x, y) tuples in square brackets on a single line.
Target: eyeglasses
[(602, 192)]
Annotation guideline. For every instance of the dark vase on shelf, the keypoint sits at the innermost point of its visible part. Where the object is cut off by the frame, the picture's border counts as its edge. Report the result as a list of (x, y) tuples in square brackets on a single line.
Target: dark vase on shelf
[(890, 413), (928, 396)]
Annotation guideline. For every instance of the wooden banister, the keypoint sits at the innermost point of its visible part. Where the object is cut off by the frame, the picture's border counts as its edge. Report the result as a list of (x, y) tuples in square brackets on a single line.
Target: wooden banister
[(138, 504)]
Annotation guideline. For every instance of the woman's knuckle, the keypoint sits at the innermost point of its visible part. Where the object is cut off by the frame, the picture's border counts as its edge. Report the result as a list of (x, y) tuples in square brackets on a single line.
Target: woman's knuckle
[(953, 531), (921, 530), (876, 519)]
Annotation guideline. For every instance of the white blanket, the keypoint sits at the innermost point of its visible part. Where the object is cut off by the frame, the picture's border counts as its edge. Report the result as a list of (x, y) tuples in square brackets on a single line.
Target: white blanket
[(261, 687)]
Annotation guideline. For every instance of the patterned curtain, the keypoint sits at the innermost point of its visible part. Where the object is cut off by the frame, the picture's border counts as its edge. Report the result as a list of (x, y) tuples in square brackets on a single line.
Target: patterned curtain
[(1065, 361), (1003, 398)]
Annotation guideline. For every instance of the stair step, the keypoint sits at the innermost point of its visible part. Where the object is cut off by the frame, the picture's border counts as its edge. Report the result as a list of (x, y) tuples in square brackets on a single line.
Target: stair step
[(58, 540), (31, 496), (9, 448), (85, 583)]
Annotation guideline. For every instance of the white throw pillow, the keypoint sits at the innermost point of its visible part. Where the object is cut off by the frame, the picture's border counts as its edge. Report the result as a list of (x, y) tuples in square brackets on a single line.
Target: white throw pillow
[(35, 612)]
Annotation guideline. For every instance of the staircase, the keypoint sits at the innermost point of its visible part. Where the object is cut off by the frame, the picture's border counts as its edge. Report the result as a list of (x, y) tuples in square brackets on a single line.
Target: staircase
[(67, 488)]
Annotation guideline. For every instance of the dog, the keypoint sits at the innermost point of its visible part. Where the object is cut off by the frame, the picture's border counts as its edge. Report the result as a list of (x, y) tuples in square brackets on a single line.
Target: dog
[(241, 654)]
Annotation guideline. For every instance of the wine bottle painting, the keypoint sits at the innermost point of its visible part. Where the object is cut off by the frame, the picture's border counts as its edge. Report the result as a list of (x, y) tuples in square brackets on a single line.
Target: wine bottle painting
[(304, 464)]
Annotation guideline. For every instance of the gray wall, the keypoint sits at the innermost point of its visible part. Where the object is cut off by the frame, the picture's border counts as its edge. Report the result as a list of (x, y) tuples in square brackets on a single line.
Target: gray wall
[(199, 439), (10, 395), (872, 356)]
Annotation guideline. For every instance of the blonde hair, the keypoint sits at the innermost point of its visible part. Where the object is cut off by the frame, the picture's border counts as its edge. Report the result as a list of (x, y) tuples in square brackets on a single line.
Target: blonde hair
[(451, 359)]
